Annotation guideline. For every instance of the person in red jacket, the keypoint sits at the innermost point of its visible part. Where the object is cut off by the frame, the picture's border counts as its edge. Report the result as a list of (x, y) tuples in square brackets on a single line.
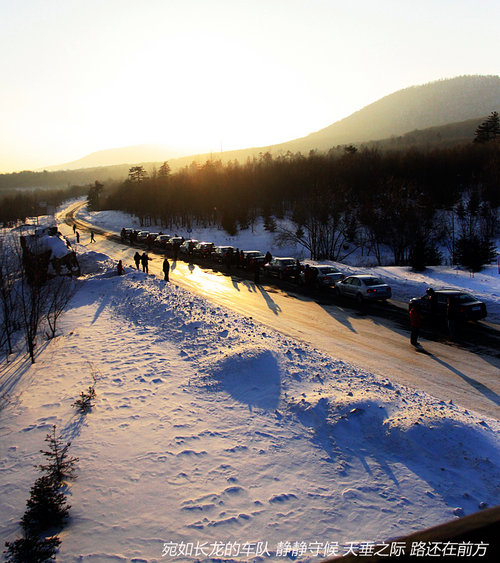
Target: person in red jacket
[(415, 322)]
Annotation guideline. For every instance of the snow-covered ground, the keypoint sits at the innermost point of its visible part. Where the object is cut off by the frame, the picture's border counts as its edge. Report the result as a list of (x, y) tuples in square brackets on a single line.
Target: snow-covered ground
[(215, 438)]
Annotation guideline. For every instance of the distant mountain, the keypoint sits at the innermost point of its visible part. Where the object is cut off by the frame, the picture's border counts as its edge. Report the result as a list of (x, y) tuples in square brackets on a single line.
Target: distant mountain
[(124, 155), (436, 104)]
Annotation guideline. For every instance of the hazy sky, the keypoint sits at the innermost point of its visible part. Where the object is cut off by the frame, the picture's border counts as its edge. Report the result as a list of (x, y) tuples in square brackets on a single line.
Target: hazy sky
[(85, 75)]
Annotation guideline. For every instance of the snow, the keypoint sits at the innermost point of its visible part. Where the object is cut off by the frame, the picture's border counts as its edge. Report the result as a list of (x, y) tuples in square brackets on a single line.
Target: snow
[(209, 427)]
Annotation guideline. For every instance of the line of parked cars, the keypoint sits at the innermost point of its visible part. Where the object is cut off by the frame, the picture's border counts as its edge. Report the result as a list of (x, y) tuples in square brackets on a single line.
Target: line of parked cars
[(360, 287)]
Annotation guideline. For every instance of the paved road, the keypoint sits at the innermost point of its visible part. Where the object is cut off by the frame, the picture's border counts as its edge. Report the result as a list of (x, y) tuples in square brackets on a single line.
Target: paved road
[(373, 342)]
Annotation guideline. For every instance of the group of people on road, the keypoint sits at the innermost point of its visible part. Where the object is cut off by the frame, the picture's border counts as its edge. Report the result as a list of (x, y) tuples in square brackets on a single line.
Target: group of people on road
[(77, 234), (142, 260)]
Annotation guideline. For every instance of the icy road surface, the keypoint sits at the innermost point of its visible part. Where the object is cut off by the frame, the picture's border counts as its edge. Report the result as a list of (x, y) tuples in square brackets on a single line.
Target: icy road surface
[(377, 345)]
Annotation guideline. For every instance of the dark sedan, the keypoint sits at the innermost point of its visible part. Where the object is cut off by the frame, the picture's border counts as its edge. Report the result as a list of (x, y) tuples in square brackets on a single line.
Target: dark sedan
[(464, 306)]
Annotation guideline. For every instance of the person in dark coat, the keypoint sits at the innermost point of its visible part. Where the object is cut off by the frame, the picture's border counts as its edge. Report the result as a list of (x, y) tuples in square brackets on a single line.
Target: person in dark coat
[(308, 275), (119, 268), (166, 268), (137, 259), (77, 236), (415, 323), (228, 259), (451, 316), (298, 269), (144, 261), (256, 272), (92, 237)]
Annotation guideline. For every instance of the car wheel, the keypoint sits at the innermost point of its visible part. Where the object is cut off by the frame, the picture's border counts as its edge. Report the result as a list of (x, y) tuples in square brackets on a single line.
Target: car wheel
[(359, 299)]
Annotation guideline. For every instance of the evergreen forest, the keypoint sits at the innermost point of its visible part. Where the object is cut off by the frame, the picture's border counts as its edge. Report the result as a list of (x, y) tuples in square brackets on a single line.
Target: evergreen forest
[(412, 201)]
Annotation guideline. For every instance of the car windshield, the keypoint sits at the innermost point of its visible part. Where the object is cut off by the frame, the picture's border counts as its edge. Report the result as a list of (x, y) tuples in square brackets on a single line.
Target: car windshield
[(373, 281), (465, 298), (327, 270), (286, 261)]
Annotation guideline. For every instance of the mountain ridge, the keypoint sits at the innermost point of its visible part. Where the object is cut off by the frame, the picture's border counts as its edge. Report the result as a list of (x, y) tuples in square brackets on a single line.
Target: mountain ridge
[(434, 104)]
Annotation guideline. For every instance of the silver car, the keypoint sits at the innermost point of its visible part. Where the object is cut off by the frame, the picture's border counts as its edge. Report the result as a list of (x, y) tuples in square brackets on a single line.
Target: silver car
[(363, 288)]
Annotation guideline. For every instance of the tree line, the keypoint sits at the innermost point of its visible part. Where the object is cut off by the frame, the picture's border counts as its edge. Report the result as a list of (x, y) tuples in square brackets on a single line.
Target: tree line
[(412, 201), (17, 205)]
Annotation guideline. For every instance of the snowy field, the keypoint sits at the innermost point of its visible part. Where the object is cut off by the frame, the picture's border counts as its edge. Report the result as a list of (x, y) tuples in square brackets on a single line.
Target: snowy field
[(214, 438)]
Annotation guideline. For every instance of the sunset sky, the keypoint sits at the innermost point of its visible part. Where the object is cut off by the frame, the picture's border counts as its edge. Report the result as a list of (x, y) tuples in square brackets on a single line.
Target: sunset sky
[(84, 75)]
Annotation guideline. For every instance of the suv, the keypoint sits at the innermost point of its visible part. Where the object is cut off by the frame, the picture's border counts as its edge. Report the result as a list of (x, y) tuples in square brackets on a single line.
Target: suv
[(142, 236), (281, 267), (363, 288), (203, 249), (250, 257), (466, 306), (187, 247), (219, 253), (161, 241)]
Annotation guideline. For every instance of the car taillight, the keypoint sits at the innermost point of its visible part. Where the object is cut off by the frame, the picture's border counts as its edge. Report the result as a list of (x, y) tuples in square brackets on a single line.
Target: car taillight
[(371, 290)]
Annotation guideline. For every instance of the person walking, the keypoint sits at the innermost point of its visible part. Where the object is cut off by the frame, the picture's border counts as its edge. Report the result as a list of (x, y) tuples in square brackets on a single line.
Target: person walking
[(119, 268), (137, 260), (144, 261), (74, 228), (166, 268), (92, 237), (451, 317), (77, 236), (415, 323)]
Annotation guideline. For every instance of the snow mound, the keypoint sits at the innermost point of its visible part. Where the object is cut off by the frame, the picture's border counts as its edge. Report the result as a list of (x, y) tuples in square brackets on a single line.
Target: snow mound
[(94, 262), (461, 450), (251, 376)]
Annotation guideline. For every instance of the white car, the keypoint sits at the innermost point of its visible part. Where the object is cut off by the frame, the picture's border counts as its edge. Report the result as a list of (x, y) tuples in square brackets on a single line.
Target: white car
[(363, 288)]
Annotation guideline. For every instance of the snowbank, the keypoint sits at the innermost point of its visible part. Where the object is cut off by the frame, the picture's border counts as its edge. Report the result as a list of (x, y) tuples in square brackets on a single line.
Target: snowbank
[(212, 430)]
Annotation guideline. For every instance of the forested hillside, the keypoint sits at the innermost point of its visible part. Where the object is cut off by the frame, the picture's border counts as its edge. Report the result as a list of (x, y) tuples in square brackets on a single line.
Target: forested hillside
[(419, 107), (412, 201)]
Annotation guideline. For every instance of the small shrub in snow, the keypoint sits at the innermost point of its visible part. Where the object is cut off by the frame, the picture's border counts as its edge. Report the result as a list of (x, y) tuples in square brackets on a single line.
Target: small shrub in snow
[(86, 400)]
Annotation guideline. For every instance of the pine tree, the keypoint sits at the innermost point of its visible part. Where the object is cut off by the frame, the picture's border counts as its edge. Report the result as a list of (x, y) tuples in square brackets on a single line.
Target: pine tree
[(489, 130), (32, 548), (423, 254), (46, 508), (61, 466), (473, 252)]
